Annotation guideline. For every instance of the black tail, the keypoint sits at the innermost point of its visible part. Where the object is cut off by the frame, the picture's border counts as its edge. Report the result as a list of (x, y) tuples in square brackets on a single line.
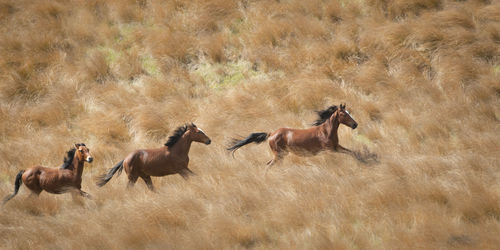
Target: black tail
[(103, 179), (253, 137), (17, 185)]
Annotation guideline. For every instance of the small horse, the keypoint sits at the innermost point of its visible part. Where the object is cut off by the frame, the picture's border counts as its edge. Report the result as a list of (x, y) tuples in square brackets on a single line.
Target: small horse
[(170, 159), (303, 142), (56, 180)]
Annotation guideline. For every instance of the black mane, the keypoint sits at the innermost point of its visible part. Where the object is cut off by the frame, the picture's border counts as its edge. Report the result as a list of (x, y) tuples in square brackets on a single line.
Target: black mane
[(324, 115), (68, 159), (178, 132), (70, 155)]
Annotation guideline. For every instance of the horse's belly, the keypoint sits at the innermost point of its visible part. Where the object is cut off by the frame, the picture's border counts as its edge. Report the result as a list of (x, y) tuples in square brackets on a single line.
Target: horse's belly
[(304, 151), (56, 182), (305, 147), (159, 171), (164, 166)]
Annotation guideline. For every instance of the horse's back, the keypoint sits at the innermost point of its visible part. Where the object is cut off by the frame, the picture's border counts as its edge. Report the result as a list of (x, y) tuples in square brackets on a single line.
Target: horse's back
[(31, 177), (299, 141), (291, 135), (35, 171)]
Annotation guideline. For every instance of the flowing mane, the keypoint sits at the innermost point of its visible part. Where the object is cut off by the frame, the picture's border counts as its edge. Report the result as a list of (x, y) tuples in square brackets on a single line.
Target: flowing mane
[(178, 132), (68, 159), (324, 115)]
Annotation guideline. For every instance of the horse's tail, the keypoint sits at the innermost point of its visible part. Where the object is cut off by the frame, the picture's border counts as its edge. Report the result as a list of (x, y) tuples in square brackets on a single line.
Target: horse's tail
[(103, 179), (17, 185), (253, 137)]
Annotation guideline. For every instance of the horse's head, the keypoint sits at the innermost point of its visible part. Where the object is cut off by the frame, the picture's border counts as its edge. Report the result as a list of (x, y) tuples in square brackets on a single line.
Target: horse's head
[(196, 134), (345, 118), (82, 153)]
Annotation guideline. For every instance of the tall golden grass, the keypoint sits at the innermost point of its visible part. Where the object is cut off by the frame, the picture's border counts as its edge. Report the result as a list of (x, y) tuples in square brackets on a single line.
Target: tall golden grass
[(422, 78)]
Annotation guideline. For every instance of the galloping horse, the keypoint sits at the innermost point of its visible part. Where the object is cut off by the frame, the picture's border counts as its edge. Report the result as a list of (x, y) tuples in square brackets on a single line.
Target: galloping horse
[(302, 142), (170, 159), (56, 180)]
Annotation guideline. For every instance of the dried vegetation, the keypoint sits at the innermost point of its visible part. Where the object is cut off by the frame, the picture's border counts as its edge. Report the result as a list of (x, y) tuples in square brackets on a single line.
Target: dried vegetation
[(421, 77)]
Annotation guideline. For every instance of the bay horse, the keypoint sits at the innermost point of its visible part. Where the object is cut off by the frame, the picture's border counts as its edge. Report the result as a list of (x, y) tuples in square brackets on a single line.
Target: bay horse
[(66, 178), (303, 142), (172, 158)]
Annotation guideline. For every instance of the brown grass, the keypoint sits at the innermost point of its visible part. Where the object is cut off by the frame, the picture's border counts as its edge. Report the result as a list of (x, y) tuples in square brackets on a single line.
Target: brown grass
[(422, 79)]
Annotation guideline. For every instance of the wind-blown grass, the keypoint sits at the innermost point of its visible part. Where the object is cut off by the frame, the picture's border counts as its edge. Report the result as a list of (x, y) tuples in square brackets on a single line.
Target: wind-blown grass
[(421, 78)]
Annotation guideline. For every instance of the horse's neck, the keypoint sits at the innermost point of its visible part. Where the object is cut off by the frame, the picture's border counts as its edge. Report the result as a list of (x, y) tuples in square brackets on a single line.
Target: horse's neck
[(77, 167), (182, 146), (331, 126)]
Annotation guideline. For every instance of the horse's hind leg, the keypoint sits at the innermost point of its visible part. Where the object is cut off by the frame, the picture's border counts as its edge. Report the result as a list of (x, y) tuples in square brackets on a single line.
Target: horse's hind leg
[(35, 193), (185, 173), (278, 147), (149, 182), (85, 194), (132, 179), (31, 180), (278, 158)]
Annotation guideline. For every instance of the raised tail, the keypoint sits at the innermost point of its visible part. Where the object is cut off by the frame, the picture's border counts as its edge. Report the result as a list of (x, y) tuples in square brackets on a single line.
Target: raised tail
[(17, 185), (103, 179), (253, 137)]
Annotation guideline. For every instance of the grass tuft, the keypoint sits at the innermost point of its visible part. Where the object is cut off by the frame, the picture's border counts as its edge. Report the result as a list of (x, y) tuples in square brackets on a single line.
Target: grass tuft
[(420, 77)]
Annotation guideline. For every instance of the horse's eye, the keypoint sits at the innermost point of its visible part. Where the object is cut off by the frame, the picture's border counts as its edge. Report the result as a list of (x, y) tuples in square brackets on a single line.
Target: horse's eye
[(81, 151)]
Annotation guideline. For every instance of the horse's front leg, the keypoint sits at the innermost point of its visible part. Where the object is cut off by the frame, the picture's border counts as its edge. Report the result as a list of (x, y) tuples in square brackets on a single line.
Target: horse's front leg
[(356, 155), (341, 149), (78, 192)]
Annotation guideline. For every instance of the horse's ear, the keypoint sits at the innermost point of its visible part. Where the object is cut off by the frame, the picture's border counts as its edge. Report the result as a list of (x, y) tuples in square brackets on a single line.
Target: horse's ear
[(77, 145)]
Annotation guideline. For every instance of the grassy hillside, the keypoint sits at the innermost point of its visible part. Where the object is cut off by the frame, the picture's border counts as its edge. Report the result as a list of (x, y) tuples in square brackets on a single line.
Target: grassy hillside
[(421, 77)]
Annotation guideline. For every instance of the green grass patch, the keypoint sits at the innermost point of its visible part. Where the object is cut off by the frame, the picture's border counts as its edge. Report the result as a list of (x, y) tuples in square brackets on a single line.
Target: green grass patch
[(112, 56), (363, 139), (219, 76), (150, 65)]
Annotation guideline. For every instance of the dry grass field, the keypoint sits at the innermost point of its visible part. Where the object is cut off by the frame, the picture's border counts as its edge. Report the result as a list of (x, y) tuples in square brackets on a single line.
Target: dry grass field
[(421, 77)]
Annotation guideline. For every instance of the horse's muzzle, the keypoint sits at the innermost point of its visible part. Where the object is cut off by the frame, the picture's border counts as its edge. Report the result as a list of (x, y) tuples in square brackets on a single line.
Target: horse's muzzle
[(354, 126), (90, 159), (208, 142)]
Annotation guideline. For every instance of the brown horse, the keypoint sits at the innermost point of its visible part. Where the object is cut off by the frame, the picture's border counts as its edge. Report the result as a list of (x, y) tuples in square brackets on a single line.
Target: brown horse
[(303, 142), (170, 159), (56, 180)]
